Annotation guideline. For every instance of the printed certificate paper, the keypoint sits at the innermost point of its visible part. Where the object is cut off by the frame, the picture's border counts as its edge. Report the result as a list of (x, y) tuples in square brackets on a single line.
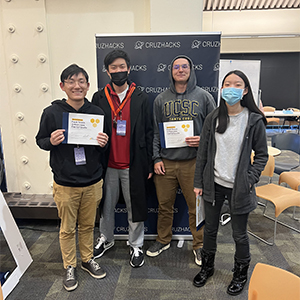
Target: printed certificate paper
[(82, 129), (200, 214), (173, 134)]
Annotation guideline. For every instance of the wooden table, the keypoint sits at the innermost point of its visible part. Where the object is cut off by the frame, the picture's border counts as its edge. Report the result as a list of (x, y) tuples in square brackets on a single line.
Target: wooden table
[(273, 151)]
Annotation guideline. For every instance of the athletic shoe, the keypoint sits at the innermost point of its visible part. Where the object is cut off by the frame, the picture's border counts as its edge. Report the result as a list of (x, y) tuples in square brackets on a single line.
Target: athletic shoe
[(197, 254), (136, 257), (70, 280), (157, 248), (101, 246), (93, 268)]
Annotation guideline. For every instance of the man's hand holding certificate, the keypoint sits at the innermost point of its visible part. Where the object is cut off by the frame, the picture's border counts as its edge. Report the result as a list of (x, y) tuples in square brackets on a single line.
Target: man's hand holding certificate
[(174, 134), (82, 129)]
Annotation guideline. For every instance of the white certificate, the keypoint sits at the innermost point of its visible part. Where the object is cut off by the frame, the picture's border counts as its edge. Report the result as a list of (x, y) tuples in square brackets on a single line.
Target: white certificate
[(200, 214), (82, 129), (173, 134)]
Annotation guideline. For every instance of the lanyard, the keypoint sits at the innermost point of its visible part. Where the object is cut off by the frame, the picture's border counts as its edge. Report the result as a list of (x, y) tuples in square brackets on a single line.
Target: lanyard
[(123, 102)]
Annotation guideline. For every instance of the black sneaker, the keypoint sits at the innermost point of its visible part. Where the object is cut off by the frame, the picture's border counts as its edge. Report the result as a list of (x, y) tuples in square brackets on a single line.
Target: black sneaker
[(70, 281), (157, 248), (136, 257), (101, 246), (93, 268), (197, 254)]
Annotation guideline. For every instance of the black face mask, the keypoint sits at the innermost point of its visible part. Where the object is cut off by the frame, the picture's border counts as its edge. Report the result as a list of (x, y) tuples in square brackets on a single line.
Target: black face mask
[(119, 78)]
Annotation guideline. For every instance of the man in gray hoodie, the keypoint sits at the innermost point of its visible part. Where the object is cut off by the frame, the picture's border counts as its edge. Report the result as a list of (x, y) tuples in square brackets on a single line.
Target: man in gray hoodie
[(183, 101)]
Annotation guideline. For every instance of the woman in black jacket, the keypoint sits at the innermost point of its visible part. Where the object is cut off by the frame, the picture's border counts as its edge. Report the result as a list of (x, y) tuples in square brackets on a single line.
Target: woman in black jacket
[(224, 171)]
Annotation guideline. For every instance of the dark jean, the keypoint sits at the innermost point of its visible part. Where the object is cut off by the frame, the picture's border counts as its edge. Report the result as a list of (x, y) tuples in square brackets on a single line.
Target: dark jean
[(238, 225)]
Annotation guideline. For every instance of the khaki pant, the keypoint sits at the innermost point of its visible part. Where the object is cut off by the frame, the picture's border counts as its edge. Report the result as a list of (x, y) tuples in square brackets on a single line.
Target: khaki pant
[(176, 173), (77, 204)]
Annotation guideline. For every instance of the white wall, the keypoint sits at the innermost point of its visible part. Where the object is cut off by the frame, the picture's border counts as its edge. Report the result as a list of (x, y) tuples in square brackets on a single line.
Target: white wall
[(256, 23), (68, 36)]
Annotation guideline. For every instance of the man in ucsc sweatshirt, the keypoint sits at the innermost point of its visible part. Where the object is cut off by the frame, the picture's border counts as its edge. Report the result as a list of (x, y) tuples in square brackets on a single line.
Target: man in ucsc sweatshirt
[(183, 102), (77, 186)]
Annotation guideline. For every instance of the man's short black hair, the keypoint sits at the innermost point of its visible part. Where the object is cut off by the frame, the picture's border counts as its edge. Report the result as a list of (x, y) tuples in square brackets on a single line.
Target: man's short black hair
[(73, 70), (113, 55)]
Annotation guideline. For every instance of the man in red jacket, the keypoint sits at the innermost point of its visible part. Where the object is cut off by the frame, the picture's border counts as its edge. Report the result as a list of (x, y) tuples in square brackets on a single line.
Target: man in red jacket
[(129, 159)]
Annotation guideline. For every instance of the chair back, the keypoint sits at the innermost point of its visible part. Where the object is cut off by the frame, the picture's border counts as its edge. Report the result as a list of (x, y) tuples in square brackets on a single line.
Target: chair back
[(269, 108), (269, 167), (294, 109), (287, 141), (272, 283), (290, 178)]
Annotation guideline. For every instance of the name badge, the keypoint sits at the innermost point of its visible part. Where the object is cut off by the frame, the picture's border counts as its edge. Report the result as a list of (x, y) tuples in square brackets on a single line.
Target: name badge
[(121, 127), (79, 156)]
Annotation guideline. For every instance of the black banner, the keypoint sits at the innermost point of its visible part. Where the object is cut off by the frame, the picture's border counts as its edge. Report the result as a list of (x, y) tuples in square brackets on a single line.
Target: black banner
[(151, 55)]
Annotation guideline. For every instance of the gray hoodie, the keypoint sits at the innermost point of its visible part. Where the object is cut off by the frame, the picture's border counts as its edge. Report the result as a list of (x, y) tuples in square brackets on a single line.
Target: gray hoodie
[(194, 104)]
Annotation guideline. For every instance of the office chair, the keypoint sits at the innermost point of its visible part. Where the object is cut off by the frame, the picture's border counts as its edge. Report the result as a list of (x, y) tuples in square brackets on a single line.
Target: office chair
[(286, 141), (282, 198), (271, 120), (272, 283)]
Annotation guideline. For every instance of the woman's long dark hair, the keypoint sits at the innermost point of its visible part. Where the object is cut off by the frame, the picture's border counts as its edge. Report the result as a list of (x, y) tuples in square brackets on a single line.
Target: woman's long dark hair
[(247, 101)]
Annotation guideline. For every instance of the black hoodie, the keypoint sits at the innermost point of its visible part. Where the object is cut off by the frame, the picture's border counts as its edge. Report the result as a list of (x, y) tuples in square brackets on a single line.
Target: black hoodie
[(62, 160)]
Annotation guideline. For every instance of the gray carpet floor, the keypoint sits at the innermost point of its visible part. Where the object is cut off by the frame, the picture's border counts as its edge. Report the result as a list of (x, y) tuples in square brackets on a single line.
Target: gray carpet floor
[(168, 276)]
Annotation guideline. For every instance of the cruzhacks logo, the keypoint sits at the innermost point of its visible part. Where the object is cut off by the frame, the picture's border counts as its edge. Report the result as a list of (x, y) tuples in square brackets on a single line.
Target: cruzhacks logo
[(139, 45), (120, 210), (198, 67), (152, 89), (196, 44), (152, 210), (138, 68), (210, 89), (161, 67), (216, 66), (103, 46), (181, 229)]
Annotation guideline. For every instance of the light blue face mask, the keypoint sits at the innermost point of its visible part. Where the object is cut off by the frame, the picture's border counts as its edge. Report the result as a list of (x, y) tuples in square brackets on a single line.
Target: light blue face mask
[(232, 95)]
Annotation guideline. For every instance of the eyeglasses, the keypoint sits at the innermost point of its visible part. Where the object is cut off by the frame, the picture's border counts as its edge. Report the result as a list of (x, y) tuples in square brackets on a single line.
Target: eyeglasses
[(71, 83), (184, 66)]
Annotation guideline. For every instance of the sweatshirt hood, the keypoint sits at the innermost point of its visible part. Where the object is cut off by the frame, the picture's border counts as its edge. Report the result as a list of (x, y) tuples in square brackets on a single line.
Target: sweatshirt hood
[(63, 103), (253, 116), (192, 81)]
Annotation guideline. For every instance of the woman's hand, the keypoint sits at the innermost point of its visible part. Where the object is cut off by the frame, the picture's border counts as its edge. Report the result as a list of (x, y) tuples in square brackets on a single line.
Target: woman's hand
[(198, 192)]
